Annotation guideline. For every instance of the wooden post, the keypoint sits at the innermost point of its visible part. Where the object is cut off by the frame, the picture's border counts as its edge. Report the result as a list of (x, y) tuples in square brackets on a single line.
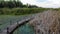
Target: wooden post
[(18, 26), (7, 30)]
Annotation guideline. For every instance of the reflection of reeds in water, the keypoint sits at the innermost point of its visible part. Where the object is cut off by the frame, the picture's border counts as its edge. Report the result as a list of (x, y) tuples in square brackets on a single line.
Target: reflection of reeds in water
[(46, 23)]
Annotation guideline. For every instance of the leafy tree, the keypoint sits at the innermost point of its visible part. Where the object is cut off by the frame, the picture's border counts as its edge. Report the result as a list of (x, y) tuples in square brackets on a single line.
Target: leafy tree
[(14, 3)]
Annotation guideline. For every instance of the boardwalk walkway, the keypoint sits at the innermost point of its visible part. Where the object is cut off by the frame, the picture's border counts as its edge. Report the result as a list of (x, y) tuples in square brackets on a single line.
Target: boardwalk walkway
[(10, 29)]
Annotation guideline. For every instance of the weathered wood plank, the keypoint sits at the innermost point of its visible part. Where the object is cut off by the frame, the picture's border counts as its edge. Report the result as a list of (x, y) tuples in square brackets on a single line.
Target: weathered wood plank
[(10, 29)]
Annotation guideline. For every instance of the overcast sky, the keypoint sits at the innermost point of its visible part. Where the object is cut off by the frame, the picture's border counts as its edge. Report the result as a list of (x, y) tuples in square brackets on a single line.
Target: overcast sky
[(43, 3)]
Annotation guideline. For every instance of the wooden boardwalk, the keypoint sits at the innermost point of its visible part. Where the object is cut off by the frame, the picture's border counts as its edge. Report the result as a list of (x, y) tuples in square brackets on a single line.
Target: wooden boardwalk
[(10, 29)]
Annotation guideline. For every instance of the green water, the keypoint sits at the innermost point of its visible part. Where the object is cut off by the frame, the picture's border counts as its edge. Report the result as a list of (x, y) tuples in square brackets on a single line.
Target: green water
[(25, 29)]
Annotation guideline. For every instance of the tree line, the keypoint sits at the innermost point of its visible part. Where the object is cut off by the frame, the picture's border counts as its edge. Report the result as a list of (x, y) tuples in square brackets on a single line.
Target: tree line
[(18, 8), (15, 4)]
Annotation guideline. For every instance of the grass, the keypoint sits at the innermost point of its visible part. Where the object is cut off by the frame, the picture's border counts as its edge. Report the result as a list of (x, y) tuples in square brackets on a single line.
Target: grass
[(20, 11)]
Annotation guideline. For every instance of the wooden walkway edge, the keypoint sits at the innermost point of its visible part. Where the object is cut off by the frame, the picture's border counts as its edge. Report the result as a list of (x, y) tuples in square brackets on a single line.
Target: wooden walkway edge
[(10, 29)]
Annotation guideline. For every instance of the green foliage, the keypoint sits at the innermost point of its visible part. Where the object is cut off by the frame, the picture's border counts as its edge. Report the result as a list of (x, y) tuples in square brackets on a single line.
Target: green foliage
[(20, 11), (14, 4), (10, 4)]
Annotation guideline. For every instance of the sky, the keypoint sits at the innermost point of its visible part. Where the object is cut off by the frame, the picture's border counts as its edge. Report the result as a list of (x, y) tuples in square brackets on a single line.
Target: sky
[(43, 3)]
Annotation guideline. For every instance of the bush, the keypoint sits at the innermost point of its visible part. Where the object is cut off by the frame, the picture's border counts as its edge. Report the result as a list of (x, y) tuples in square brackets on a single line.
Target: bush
[(20, 11)]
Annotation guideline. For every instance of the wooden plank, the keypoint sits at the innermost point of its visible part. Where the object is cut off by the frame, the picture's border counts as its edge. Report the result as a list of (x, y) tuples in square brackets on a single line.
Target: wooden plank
[(13, 27)]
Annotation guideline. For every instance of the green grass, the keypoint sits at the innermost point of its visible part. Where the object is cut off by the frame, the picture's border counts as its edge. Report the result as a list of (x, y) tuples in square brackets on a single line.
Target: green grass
[(20, 11)]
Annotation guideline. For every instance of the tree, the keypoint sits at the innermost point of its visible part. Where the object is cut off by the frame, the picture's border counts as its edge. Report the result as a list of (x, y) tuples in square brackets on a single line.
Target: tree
[(33, 6), (14, 3)]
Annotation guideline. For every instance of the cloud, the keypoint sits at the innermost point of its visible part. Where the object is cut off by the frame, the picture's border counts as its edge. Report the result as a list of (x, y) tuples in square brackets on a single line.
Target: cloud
[(28, 1), (43, 3)]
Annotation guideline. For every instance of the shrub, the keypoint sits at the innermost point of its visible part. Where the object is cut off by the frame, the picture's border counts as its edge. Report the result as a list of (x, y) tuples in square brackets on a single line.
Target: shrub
[(20, 11)]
